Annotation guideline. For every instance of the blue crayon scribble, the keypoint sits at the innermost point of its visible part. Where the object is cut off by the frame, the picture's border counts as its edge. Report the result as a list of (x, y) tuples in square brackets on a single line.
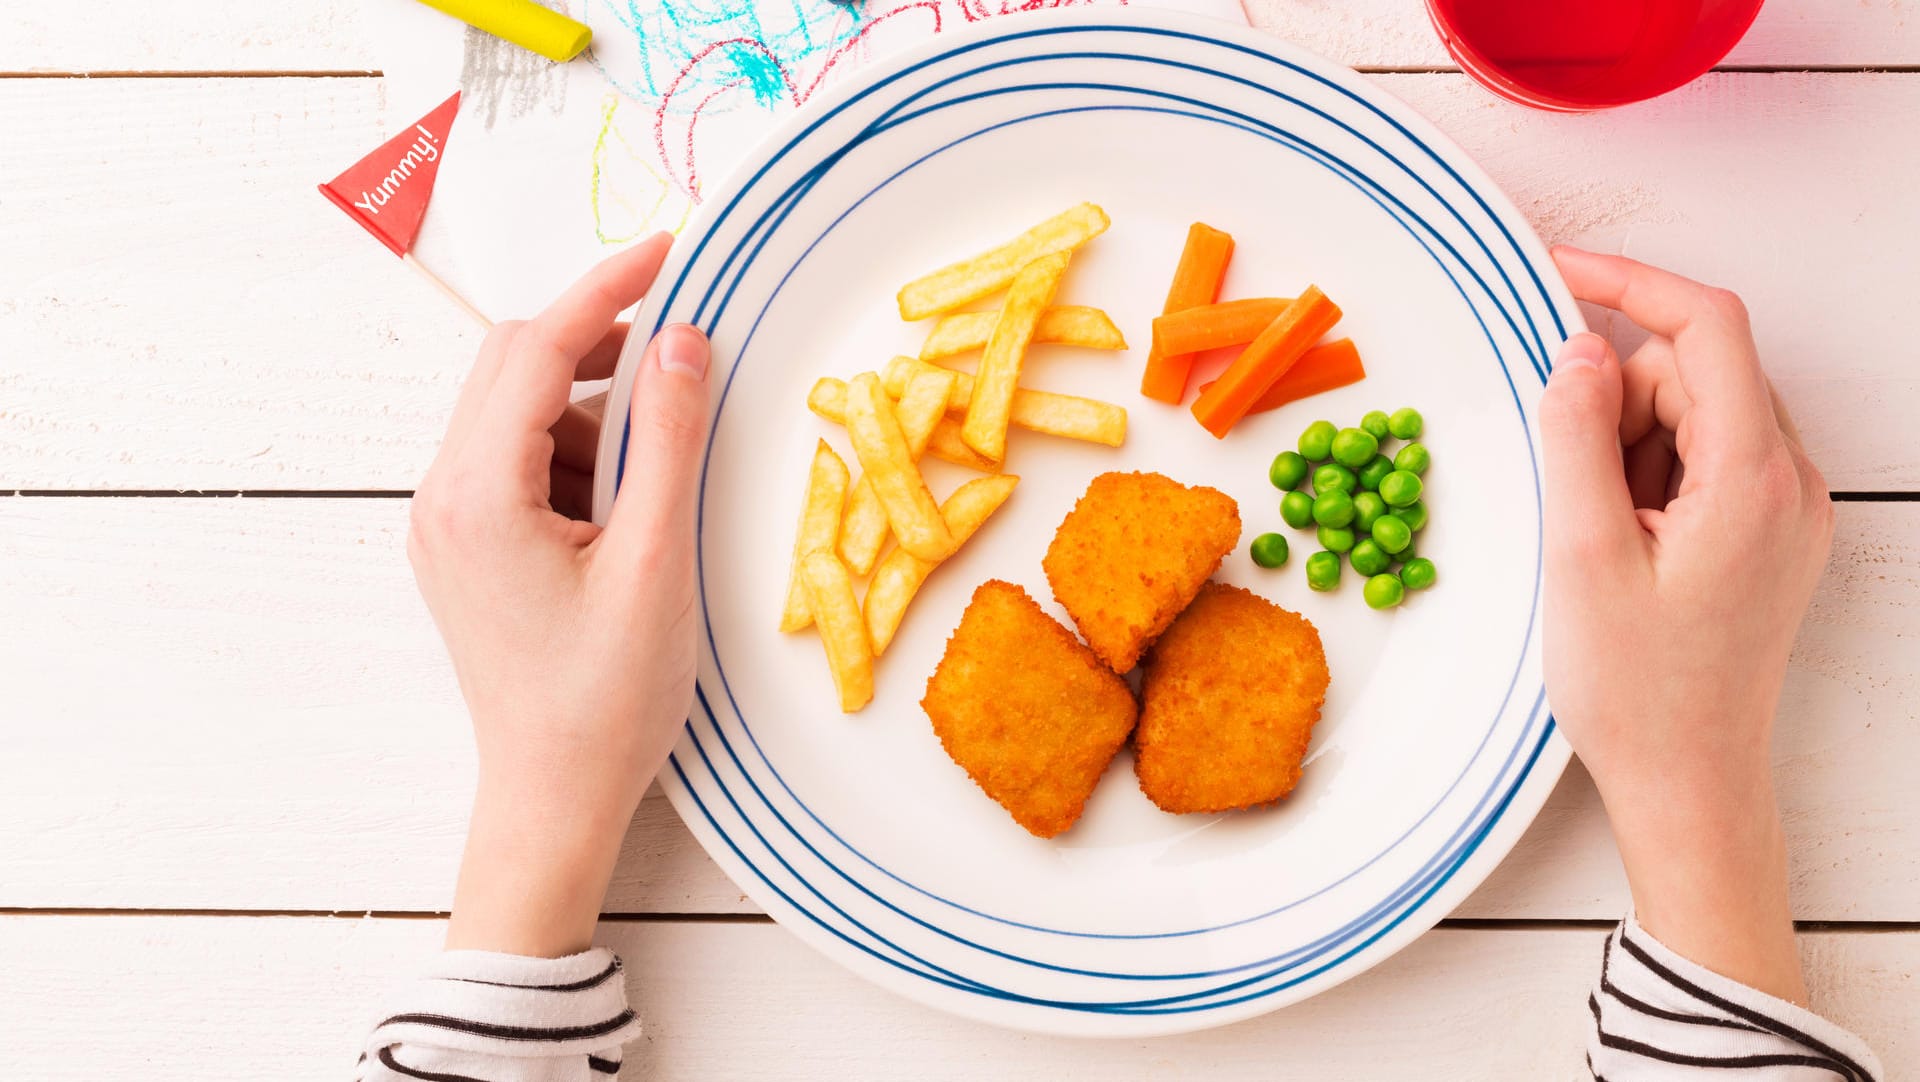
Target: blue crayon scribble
[(677, 45)]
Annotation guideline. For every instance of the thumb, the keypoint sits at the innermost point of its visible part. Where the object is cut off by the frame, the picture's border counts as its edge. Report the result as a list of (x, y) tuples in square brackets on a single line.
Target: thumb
[(1589, 511), (666, 442)]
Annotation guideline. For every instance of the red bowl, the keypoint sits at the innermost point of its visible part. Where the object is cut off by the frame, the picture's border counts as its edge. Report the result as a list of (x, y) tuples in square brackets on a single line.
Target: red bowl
[(1577, 55)]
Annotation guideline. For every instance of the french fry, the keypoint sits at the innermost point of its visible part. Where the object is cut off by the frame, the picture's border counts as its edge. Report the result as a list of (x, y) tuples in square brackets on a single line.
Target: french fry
[(900, 575), (1085, 419), (884, 455), (923, 404), (947, 446), (1065, 324), (842, 630), (818, 530), (989, 409), (828, 401), (1065, 415), (970, 279)]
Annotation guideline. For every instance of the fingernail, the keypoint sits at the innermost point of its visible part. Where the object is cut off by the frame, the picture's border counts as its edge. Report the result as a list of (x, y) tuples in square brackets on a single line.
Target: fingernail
[(1582, 350), (682, 350)]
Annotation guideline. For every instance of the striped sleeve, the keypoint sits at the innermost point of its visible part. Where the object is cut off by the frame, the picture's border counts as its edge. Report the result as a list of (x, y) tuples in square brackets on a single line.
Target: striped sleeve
[(1659, 1017), (476, 1016)]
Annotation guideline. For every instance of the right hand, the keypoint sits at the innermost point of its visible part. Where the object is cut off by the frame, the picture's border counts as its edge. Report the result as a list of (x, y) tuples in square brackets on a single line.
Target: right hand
[(1685, 531), (575, 645)]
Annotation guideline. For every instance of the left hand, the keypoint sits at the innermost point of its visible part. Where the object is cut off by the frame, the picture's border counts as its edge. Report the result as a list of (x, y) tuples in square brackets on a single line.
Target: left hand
[(573, 644), (1685, 531)]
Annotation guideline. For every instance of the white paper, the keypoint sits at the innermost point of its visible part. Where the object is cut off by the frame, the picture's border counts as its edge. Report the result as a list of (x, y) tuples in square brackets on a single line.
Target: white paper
[(551, 167)]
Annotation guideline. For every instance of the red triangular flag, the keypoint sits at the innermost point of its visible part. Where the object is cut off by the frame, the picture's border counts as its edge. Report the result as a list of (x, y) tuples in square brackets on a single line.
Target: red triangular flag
[(387, 191)]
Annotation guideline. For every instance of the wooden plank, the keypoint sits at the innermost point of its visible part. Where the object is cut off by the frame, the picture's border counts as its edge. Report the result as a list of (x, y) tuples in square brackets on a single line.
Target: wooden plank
[(249, 337), (1398, 33), (242, 704), (290, 999), (1696, 184), (195, 35), (237, 35), (180, 308)]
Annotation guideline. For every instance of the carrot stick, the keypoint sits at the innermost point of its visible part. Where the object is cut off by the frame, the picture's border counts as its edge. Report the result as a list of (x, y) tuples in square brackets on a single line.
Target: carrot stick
[(1210, 326), (1265, 360), (1319, 370), (1196, 281)]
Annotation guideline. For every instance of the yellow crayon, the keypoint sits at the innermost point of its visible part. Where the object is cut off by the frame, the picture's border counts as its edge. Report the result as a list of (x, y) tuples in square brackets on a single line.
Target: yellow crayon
[(522, 22)]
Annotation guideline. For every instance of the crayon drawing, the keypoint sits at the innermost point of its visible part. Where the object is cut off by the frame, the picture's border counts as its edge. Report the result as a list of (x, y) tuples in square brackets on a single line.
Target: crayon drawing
[(553, 164), (630, 196), (675, 68)]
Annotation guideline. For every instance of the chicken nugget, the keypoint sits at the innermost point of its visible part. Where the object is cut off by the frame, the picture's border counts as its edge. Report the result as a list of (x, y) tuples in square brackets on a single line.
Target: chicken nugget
[(1028, 711), (1131, 555), (1232, 691)]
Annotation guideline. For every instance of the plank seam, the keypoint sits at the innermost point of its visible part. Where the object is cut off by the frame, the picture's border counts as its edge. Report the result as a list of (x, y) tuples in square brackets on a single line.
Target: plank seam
[(1841, 496), (354, 914), (217, 493), (263, 73), (1363, 69), (1472, 924)]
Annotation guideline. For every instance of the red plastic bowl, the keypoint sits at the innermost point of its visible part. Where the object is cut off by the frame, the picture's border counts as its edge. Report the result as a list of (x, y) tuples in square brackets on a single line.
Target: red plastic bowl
[(1576, 55)]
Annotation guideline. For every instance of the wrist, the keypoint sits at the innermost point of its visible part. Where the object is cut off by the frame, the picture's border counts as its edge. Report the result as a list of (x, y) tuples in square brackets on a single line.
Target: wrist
[(1707, 868), (536, 866)]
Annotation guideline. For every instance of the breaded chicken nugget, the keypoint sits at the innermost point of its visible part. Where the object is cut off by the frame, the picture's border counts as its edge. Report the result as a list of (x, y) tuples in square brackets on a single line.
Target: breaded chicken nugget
[(1027, 710), (1233, 690), (1132, 553)]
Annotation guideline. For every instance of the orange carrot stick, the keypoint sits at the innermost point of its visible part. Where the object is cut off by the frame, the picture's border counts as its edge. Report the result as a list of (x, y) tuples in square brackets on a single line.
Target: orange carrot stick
[(1265, 360), (1196, 281), (1319, 370), (1210, 326)]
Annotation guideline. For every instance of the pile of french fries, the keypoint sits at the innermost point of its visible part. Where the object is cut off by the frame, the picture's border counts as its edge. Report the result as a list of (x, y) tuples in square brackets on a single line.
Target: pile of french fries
[(917, 407)]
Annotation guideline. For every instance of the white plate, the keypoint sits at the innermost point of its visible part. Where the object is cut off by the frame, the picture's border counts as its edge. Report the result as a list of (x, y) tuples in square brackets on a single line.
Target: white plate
[(1435, 749)]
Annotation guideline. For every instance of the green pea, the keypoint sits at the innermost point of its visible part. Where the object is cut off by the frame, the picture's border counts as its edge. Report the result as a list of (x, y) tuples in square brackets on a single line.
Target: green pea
[(1414, 515), (1383, 591), (1406, 423), (1333, 508), (1417, 573), (1323, 571), (1269, 550), (1297, 509), (1316, 443), (1377, 467), (1400, 488), (1368, 557), (1354, 447), (1390, 533), (1376, 424), (1335, 538), (1334, 477), (1287, 471), (1367, 506), (1413, 458)]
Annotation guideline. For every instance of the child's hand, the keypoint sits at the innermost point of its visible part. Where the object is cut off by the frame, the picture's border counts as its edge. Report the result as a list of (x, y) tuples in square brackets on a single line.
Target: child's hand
[(1677, 574), (574, 645)]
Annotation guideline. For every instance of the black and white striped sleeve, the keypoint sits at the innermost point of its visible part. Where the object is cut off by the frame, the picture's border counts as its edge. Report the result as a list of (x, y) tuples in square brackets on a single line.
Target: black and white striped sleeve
[(476, 1016), (1658, 1016)]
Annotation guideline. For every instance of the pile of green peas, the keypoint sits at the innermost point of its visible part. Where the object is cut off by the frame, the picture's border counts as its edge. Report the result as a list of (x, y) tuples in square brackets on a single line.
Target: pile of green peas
[(1364, 506)]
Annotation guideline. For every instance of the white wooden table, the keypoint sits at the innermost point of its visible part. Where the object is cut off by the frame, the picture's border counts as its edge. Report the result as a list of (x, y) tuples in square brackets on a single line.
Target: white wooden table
[(234, 768)]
